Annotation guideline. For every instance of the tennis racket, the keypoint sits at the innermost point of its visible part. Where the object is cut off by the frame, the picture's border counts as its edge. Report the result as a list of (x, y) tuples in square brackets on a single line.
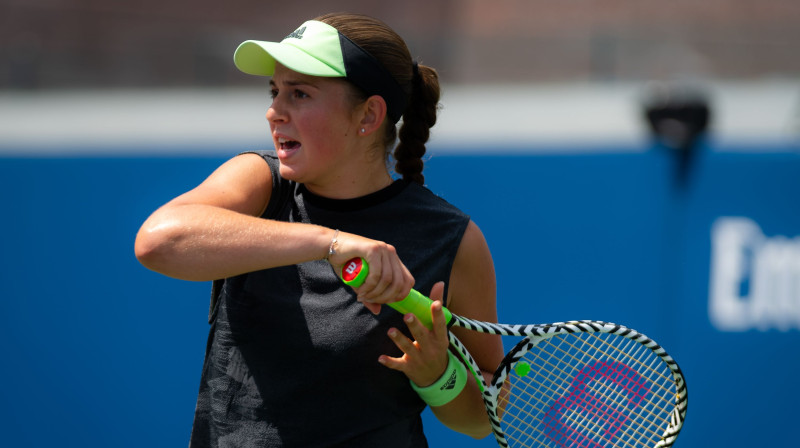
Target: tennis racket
[(581, 384)]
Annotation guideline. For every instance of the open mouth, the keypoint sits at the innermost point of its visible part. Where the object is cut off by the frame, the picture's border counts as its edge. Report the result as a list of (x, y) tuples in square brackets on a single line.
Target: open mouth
[(288, 145)]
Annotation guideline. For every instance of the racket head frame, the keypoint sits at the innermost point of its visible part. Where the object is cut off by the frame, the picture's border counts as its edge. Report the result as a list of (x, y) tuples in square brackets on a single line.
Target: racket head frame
[(533, 335)]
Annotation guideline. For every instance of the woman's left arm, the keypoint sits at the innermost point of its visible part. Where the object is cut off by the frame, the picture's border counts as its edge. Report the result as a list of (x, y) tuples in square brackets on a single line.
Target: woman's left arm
[(472, 294)]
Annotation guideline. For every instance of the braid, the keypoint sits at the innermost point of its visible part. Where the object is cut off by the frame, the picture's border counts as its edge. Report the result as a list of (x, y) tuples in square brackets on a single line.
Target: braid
[(418, 118)]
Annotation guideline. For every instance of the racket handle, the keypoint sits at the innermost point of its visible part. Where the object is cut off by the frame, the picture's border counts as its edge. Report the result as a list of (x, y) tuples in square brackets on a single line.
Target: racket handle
[(355, 271)]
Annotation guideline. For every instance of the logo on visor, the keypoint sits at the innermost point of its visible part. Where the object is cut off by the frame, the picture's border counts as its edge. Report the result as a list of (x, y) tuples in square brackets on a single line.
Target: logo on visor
[(297, 34)]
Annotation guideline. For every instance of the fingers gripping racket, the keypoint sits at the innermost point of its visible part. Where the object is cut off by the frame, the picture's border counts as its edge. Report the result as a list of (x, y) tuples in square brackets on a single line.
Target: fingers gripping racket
[(581, 384)]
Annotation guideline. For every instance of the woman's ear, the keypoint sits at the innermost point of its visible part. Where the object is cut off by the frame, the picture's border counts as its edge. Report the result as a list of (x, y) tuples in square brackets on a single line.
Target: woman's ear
[(374, 112)]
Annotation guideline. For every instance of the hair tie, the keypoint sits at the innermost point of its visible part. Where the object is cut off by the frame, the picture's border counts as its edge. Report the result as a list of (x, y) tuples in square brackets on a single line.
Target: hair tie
[(415, 70)]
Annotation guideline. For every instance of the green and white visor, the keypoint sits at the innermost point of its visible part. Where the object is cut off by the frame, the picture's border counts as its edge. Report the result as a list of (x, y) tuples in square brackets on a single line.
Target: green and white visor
[(318, 49)]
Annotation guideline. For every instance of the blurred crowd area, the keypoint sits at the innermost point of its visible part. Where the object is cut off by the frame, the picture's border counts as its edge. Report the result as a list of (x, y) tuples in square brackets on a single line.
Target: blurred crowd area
[(177, 43)]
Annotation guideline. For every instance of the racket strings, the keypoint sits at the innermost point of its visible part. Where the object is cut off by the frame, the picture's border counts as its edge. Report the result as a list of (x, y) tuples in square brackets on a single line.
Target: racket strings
[(625, 351), (636, 355), (598, 409), (524, 421), (519, 432), (592, 427), (594, 417)]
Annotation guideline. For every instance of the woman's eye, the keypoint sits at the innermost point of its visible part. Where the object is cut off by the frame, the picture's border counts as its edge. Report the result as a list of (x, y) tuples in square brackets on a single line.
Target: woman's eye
[(297, 94)]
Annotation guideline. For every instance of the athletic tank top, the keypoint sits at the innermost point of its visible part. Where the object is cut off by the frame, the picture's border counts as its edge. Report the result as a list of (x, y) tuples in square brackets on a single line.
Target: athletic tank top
[(291, 359)]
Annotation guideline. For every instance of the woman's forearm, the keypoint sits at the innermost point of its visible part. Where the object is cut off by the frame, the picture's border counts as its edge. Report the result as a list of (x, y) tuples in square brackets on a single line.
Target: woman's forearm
[(202, 242), (467, 413)]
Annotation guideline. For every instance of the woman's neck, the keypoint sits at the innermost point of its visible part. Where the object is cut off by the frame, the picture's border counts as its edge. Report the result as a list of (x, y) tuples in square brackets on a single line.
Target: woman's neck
[(353, 184)]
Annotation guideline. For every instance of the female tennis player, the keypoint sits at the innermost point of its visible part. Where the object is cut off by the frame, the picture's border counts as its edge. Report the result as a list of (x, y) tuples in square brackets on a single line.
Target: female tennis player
[(295, 357)]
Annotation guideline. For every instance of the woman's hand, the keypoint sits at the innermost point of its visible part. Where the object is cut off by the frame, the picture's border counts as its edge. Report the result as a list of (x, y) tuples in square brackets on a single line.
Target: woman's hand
[(424, 358), (388, 280)]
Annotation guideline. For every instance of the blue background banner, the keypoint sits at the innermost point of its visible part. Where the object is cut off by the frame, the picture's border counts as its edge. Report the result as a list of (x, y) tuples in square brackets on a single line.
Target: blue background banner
[(703, 257)]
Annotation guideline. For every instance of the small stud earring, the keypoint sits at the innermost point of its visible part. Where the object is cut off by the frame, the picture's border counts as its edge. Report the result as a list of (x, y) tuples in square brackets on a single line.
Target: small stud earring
[(363, 130)]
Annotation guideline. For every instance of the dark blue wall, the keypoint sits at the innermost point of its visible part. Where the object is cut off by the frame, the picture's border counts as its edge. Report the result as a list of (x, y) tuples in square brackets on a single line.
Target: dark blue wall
[(98, 351)]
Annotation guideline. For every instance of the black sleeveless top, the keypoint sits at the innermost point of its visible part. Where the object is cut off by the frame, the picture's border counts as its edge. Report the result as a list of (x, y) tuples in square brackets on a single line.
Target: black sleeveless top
[(292, 356)]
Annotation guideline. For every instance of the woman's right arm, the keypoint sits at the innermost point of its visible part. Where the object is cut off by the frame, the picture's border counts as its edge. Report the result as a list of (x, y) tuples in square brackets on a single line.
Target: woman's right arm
[(214, 231)]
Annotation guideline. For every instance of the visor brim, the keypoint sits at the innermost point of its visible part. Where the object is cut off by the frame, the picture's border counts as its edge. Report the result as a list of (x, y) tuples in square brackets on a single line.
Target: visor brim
[(258, 58)]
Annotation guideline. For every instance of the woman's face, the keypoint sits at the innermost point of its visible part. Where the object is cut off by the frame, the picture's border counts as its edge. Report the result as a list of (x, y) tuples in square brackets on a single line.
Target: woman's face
[(314, 127)]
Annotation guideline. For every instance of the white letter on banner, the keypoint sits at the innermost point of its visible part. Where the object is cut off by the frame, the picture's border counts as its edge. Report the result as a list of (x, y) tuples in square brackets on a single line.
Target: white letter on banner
[(769, 267)]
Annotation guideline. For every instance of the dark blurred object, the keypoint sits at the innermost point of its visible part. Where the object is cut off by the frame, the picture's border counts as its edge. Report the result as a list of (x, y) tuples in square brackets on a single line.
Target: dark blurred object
[(678, 115)]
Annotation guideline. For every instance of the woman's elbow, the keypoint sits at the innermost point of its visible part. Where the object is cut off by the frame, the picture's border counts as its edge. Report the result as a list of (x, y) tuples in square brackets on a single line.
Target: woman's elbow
[(477, 428), (479, 431), (154, 246)]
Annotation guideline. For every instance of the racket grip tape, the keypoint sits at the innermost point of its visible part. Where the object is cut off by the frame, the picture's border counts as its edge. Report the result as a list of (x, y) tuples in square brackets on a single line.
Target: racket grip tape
[(355, 272)]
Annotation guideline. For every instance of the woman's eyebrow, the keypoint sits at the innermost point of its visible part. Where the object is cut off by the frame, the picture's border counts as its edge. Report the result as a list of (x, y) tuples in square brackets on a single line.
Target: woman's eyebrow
[(294, 83)]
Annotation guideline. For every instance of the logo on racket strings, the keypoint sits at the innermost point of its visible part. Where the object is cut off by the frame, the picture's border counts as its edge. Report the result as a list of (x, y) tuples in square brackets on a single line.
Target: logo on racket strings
[(592, 415)]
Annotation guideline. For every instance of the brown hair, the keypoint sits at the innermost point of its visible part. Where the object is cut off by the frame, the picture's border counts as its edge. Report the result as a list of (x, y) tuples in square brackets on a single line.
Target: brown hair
[(379, 40)]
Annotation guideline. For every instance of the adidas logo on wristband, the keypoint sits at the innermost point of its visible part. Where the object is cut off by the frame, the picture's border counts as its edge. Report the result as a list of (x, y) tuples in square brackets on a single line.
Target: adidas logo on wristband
[(451, 382), (446, 388)]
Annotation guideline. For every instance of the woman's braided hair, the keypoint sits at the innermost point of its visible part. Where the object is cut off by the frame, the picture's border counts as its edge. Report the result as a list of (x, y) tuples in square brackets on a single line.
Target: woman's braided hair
[(420, 82)]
